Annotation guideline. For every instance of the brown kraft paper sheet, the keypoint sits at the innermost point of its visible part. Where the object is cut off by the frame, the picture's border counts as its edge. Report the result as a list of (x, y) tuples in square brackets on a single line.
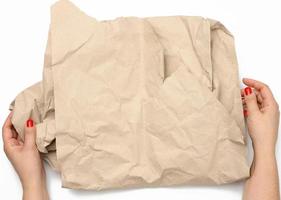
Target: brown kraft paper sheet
[(137, 102)]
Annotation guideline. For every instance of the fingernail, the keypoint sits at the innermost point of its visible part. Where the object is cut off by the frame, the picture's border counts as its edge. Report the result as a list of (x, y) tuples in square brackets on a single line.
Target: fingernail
[(29, 123), (248, 90)]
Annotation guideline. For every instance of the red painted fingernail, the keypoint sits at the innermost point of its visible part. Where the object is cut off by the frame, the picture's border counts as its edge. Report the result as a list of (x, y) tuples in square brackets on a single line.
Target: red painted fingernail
[(245, 112), (248, 90), (29, 123)]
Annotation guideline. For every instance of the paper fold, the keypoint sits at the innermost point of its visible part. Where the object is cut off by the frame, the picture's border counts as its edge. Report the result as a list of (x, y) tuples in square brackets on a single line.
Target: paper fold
[(136, 102)]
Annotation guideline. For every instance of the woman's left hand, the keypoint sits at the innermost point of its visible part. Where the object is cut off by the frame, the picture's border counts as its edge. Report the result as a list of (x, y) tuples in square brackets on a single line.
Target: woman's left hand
[(26, 159)]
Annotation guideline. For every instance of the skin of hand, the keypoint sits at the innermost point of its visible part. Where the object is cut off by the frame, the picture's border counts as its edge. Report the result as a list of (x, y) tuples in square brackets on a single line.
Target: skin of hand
[(26, 159), (262, 118)]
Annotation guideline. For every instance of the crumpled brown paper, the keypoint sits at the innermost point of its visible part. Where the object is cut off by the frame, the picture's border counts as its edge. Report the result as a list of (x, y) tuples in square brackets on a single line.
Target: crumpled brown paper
[(137, 102)]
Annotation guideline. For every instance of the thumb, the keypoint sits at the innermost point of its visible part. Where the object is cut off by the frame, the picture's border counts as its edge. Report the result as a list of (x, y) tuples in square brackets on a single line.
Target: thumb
[(251, 100), (29, 134)]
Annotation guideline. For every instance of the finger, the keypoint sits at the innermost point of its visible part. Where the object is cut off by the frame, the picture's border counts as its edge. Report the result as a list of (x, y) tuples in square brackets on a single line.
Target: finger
[(245, 112), (13, 142), (243, 102), (29, 134), (6, 129), (251, 100), (9, 134), (259, 97), (20, 141), (244, 107), (242, 93), (265, 92), (14, 132)]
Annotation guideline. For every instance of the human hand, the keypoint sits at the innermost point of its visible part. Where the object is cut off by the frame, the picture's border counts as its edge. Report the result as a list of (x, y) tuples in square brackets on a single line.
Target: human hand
[(26, 159), (262, 112)]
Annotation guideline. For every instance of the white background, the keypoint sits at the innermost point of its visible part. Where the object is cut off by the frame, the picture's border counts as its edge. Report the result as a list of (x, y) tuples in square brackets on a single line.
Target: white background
[(23, 36)]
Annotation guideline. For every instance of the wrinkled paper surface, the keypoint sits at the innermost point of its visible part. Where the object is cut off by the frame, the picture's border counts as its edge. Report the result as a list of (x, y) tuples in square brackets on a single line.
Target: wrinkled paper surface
[(134, 102)]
